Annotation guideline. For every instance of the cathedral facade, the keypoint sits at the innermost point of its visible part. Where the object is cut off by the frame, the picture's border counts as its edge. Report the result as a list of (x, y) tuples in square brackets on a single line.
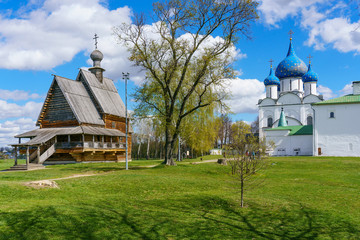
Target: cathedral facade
[(290, 91), (292, 88)]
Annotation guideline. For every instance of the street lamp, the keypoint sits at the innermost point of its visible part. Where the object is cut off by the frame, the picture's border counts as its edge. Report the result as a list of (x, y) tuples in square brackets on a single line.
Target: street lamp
[(126, 78)]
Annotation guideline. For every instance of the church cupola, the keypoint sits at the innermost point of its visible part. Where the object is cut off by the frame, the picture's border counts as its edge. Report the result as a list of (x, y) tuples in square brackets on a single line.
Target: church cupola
[(310, 80), (290, 70), (291, 66), (97, 57), (272, 83)]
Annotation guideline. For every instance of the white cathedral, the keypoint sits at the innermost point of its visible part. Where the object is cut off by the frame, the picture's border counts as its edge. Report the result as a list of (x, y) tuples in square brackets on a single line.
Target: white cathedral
[(298, 120)]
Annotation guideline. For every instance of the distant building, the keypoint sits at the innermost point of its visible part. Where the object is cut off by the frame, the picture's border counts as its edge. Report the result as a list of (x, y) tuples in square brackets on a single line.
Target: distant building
[(336, 125), (297, 119), (81, 120), (216, 151), (289, 93)]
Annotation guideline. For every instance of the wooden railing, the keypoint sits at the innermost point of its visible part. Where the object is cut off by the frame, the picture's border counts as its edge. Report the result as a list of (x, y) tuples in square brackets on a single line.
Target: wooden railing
[(97, 145)]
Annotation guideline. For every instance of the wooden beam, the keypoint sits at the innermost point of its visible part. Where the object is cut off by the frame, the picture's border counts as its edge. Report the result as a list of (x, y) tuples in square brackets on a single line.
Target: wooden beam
[(27, 157), (15, 155)]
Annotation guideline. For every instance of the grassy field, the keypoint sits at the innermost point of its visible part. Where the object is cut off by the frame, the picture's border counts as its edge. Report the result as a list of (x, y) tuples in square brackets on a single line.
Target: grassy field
[(298, 198)]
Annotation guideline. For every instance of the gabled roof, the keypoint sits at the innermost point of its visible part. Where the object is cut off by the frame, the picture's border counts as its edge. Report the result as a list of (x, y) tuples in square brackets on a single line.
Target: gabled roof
[(78, 100), (347, 99), (295, 130), (105, 93)]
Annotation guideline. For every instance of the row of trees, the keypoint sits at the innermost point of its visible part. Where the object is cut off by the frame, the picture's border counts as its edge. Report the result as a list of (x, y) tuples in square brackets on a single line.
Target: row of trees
[(200, 133)]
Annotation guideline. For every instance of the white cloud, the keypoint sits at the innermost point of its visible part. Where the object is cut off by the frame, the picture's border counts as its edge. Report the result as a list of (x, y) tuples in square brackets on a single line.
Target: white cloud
[(348, 89), (277, 10), (326, 92), (329, 23), (17, 95), (245, 95), (9, 129), (12, 110), (338, 32), (48, 33), (55, 32)]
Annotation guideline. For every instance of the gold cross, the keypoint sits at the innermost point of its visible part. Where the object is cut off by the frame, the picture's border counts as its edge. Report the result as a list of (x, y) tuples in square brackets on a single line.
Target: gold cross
[(96, 42), (291, 33), (271, 61), (310, 57)]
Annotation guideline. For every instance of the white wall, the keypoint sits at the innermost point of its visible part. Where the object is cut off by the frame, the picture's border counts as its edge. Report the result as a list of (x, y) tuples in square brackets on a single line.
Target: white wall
[(286, 145), (296, 110), (339, 136), (310, 88)]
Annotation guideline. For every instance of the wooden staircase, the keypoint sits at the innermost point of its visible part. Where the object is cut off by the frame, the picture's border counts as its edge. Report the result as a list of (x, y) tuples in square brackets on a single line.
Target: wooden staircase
[(22, 167)]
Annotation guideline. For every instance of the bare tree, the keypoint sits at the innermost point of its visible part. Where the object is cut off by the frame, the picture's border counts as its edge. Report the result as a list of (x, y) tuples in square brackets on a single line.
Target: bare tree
[(247, 155), (186, 67)]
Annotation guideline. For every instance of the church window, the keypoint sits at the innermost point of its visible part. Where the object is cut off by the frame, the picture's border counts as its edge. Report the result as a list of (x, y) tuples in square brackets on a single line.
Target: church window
[(309, 120), (332, 115), (350, 146), (290, 85), (269, 122), (113, 125)]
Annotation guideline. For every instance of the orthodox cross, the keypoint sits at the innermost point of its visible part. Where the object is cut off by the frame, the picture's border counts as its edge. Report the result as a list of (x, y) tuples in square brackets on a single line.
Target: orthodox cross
[(96, 42), (310, 57), (271, 61), (291, 33)]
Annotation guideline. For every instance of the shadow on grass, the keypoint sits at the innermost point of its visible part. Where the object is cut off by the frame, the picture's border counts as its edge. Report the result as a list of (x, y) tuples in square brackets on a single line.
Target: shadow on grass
[(205, 218), (80, 223)]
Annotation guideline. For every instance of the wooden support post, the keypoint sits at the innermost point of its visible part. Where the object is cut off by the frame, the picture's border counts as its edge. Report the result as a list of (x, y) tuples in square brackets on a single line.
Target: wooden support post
[(83, 140), (55, 139), (69, 139), (19, 140), (27, 157), (15, 155), (38, 154)]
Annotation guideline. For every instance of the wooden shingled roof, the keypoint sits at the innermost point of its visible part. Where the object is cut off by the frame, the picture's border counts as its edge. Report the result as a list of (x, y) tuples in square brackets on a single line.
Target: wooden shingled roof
[(105, 93), (87, 97)]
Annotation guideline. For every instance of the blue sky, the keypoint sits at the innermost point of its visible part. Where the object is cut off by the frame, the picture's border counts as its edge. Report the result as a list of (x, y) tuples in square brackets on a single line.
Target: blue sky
[(39, 38)]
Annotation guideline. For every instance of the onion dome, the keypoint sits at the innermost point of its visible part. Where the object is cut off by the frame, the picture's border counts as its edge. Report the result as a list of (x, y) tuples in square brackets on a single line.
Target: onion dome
[(291, 66), (310, 76), (271, 79), (96, 56)]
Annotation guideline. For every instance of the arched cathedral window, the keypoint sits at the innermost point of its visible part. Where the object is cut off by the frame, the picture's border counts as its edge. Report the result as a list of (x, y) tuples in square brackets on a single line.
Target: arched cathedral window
[(309, 120), (269, 122)]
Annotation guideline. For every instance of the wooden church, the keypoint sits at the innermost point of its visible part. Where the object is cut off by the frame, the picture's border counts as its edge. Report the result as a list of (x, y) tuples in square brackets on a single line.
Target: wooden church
[(81, 120)]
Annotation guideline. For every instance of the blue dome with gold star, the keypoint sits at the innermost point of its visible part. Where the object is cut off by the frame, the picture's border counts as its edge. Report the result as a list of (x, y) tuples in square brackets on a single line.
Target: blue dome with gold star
[(271, 79), (291, 66), (310, 76)]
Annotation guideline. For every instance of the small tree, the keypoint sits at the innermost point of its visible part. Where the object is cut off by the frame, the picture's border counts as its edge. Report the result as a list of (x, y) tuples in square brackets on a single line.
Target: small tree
[(248, 154)]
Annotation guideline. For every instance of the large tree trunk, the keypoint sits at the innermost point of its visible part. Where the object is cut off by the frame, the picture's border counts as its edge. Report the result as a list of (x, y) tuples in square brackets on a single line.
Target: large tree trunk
[(168, 146)]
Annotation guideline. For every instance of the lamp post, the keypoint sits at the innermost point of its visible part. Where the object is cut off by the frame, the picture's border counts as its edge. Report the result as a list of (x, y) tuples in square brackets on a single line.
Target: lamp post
[(126, 78)]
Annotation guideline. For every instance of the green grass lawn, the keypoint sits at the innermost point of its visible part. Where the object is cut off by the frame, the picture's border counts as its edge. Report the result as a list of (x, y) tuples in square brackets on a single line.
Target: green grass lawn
[(297, 198)]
